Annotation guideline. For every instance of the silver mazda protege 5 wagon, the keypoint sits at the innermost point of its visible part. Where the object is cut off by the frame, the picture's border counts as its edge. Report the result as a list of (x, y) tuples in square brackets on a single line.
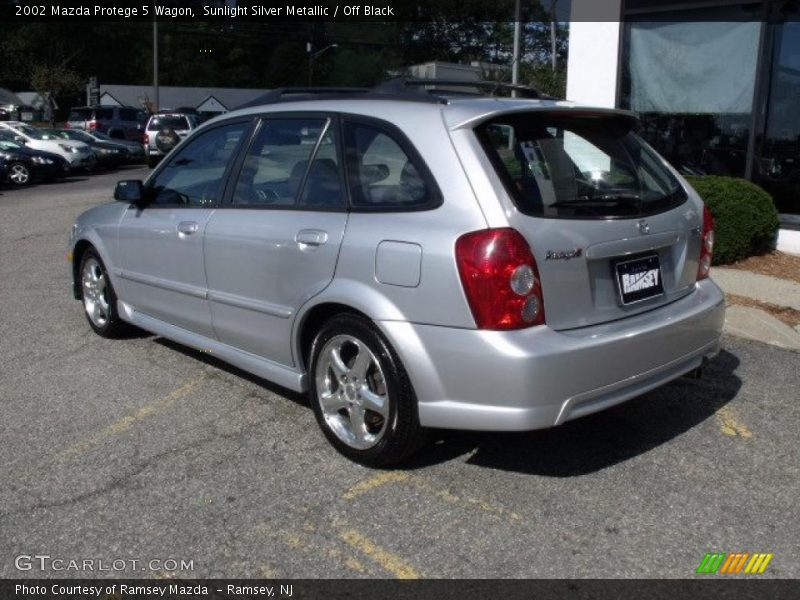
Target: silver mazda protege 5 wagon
[(414, 258)]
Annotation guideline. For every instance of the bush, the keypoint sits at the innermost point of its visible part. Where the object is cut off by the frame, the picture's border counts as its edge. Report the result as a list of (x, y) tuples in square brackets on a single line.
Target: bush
[(745, 218)]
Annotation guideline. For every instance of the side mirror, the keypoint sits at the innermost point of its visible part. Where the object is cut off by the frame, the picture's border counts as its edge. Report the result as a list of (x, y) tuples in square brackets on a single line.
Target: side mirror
[(130, 191), (20, 140)]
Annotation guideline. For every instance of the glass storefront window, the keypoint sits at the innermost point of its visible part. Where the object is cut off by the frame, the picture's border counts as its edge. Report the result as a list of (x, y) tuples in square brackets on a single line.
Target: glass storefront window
[(691, 79), (778, 164)]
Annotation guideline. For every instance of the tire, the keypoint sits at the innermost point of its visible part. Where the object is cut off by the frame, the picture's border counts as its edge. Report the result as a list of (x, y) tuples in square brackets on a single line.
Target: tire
[(98, 297), (166, 140), (19, 174), (361, 395)]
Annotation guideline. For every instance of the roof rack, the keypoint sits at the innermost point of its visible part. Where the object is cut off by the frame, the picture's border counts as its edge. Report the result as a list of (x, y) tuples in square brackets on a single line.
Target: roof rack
[(400, 84), (435, 91), (293, 94)]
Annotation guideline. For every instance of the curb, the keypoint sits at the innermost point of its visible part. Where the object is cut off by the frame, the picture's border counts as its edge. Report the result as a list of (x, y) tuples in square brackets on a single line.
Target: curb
[(754, 324)]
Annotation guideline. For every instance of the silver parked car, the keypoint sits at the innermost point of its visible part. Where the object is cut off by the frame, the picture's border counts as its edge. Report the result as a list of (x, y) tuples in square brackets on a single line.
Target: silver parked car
[(414, 260)]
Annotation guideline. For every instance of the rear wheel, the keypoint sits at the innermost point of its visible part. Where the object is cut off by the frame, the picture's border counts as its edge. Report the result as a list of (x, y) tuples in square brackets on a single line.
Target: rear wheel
[(19, 174), (361, 394), (99, 299)]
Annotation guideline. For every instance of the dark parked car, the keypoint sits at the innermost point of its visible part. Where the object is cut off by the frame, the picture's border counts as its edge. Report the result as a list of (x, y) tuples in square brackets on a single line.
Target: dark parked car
[(118, 122), (109, 154), (135, 148), (23, 165)]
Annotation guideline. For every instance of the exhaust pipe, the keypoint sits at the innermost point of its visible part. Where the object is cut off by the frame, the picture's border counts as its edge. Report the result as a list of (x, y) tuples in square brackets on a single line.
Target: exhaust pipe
[(699, 371)]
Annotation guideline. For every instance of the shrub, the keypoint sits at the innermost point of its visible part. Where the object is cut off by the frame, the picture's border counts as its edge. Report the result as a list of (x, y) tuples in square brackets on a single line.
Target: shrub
[(745, 218)]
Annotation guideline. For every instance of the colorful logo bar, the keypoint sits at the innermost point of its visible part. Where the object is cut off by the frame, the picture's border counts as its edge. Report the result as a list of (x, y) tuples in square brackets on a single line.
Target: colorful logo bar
[(732, 564)]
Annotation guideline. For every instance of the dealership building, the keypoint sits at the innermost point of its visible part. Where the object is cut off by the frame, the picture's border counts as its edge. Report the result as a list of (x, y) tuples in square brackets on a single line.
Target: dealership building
[(716, 84)]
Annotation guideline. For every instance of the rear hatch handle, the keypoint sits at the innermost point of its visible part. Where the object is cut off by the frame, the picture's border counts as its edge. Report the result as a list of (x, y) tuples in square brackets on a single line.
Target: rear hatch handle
[(634, 245)]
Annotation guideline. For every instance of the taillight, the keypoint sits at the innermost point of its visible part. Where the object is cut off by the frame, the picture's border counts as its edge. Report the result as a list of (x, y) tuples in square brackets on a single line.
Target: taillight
[(500, 279), (67, 125), (706, 245), (92, 124), (145, 139)]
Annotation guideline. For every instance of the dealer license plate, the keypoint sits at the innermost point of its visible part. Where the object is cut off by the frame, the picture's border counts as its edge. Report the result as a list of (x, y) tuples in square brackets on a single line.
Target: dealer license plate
[(639, 278)]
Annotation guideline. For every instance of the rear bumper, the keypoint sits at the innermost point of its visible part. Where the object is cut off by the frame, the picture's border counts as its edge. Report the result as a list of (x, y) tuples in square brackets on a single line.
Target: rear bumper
[(536, 378)]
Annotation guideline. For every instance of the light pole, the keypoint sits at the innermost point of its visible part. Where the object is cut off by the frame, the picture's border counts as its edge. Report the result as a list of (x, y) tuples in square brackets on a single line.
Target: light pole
[(553, 36), (312, 56), (155, 65), (517, 35)]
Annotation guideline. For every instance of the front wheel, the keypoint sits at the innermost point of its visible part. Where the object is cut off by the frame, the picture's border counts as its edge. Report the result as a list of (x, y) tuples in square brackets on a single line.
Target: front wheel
[(361, 394), (19, 174), (99, 299)]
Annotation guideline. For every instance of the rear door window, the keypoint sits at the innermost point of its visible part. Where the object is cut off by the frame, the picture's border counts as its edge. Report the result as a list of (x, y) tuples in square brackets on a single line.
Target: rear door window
[(578, 167), (292, 162)]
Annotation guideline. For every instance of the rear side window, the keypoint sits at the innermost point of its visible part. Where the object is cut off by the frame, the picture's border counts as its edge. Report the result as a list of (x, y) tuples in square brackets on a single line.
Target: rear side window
[(127, 114), (104, 113), (292, 163), (578, 167), (384, 174), (168, 122)]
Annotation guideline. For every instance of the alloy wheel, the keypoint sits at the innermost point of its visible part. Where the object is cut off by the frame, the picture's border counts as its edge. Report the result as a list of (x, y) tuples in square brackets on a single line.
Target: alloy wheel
[(352, 393), (95, 292), (19, 174)]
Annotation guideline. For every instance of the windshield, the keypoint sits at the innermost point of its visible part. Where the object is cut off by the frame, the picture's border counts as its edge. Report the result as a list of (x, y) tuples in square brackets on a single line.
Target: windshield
[(31, 132), (168, 122), (51, 134), (99, 136), (74, 134), (578, 167)]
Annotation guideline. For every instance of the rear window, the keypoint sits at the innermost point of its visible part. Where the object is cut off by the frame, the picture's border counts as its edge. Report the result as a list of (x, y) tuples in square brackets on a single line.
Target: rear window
[(80, 114), (578, 167), (168, 122)]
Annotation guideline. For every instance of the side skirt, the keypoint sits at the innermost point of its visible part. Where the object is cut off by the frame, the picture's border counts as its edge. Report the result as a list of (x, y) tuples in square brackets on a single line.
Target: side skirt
[(259, 366)]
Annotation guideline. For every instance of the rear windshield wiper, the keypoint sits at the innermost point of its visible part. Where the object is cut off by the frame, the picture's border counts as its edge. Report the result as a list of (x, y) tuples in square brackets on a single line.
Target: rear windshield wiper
[(601, 200)]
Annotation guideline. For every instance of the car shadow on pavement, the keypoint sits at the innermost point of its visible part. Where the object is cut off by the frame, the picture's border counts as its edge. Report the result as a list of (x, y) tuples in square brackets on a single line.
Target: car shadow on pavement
[(597, 441)]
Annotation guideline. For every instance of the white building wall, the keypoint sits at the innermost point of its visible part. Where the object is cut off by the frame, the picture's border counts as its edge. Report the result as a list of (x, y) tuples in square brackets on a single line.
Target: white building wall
[(592, 63), (593, 53)]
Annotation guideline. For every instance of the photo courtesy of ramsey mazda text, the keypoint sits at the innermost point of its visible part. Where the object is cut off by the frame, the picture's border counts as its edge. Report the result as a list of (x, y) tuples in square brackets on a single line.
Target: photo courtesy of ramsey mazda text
[(414, 260)]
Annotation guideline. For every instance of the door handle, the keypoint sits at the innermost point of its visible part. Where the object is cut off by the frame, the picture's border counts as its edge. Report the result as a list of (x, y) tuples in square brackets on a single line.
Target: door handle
[(311, 237), (187, 227)]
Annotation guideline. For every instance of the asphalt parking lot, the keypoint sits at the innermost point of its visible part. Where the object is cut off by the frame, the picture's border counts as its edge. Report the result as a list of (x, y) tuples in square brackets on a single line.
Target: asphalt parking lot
[(140, 449)]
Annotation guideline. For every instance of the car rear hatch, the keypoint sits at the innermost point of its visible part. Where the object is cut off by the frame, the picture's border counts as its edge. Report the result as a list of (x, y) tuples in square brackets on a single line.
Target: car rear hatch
[(609, 222), (178, 123)]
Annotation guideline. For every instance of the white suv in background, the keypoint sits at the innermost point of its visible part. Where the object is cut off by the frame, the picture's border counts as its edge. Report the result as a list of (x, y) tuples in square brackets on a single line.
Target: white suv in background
[(77, 154), (164, 131)]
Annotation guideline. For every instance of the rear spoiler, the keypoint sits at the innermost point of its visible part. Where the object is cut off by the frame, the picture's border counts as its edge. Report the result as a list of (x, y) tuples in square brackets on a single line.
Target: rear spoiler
[(561, 109)]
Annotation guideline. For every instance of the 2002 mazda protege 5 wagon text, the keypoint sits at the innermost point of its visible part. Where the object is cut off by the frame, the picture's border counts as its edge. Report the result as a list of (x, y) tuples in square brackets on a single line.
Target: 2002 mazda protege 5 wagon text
[(414, 258)]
